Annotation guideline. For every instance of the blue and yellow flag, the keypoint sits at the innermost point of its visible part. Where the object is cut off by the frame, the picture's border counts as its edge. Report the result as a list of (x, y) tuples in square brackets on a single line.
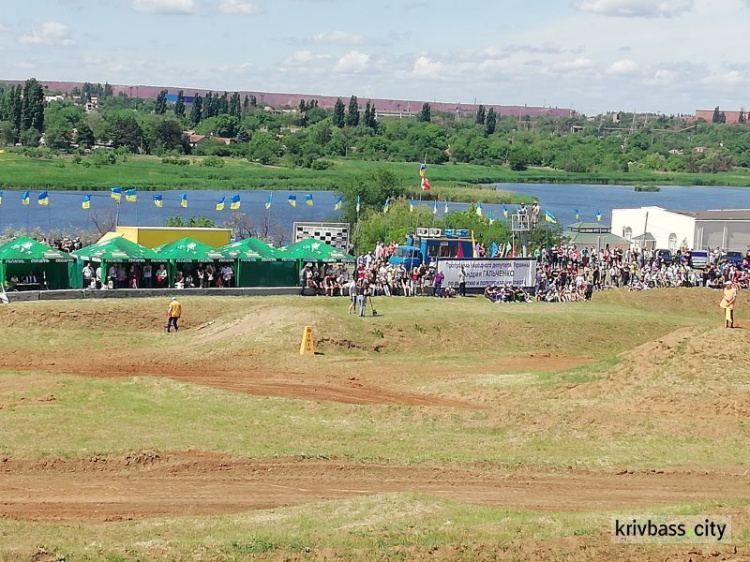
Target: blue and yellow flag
[(492, 218), (183, 201), (43, 198), (494, 249), (293, 200), (25, 197), (577, 214), (158, 201), (411, 205), (479, 210), (220, 204), (269, 200), (235, 202), (445, 209), (434, 208), (131, 195), (1, 196), (387, 205), (339, 203), (309, 200), (86, 203), (423, 170), (116, 193), (598, 216), (505, 211), (549, 217), (358, 205)]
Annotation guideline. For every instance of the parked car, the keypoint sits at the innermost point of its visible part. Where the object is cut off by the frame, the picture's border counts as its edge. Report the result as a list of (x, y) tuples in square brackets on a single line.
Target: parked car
[(664, 256), (734, 257), (698, 259)]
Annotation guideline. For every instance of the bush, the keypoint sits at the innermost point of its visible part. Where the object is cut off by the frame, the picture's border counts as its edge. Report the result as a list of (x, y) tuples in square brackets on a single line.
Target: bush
[(175, 161), (213, 162), (321, 164)]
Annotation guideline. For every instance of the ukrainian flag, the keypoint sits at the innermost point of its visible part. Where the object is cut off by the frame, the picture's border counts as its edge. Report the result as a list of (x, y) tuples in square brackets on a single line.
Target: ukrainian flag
[(86, 203), (309, 200), (220, 204), (598, 216), (131, 196), (183, 201), (43, 199), (25, 198), (505, 211), (339, 203), (549, 217), (293, 200), (434, 208), (492, 218), (116, 193), (1, 197), (411, 205), (234, 202), (358, 206), (269, 201), (423, 170), (387, 205), (158, 201), (480, 209), (577, 214)]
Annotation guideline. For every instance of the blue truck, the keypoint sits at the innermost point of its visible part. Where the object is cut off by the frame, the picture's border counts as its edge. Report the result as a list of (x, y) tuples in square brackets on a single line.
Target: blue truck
[(430, 244)]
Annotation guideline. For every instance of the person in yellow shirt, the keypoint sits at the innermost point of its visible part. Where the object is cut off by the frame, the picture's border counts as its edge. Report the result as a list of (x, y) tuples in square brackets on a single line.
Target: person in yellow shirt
[(727, 303), (173, 314)]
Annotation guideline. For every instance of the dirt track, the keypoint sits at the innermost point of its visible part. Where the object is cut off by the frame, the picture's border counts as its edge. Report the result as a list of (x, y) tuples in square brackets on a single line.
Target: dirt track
[(199, 484)]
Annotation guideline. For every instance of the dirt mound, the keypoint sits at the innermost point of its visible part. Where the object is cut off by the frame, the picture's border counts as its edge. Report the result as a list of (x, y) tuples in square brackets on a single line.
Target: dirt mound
[(155, 483)]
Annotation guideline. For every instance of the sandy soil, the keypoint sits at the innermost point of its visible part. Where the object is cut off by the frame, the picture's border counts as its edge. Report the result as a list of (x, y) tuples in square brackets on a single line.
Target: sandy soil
[(181, 483)]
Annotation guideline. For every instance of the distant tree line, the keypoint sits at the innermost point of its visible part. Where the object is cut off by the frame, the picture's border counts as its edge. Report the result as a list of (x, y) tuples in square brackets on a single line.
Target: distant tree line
[(311, 136)]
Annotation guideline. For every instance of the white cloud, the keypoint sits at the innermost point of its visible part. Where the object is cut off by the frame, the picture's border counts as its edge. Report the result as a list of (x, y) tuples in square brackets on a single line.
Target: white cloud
[(353, 62), (662, 77), (237, 7), (339, 38), (304, 58), (578, 63), (623, 67), (731, 78), (49, 33), (636, 8), (425, 67), (165, 7)]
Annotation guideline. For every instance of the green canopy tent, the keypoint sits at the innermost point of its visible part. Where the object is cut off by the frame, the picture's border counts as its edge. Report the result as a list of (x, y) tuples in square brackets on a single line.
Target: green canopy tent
[(52, 268), (313, 250), (260, 265), (188, 251), (115, 250)]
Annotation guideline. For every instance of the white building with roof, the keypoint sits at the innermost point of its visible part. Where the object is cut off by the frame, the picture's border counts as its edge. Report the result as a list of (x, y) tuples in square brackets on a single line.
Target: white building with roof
[(656, 227)]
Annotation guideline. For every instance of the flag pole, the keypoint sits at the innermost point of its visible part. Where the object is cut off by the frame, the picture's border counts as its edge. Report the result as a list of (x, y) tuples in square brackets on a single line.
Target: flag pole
[(136, 211), (28, 214)]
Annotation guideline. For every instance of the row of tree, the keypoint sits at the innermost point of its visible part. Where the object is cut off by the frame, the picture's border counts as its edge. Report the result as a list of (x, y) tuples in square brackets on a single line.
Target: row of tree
[(311, 136)]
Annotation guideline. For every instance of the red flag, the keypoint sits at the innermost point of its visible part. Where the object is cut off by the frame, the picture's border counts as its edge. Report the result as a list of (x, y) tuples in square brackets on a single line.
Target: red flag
[(513, 255), (460, 253), (425, 184)]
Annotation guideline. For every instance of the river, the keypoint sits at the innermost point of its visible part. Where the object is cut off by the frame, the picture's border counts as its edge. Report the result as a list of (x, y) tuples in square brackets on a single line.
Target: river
[(64, 212)]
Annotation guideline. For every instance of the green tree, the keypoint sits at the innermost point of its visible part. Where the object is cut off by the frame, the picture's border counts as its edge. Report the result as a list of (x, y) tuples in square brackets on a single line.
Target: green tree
[(196, 112), (235, 106), (339, 117), (480, 116), (199, 221), (179, 105), (85, 136), (352, 116), (263, 148), (161, 103), (373, 190), (32, 106), (30, 137), (719, 116), (425, 116), (126, 132), (168, 134), (490, 121)]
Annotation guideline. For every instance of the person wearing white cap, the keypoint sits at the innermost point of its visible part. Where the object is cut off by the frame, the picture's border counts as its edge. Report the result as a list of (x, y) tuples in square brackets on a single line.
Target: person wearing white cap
[(173, 314), (727, 303)]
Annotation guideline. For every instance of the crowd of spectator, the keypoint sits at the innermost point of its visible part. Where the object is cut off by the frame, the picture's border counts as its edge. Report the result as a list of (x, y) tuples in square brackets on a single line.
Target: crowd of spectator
[(148, 276)]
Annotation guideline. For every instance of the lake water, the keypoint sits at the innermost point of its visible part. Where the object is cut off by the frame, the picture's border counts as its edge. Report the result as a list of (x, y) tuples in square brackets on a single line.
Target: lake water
[(64, 212)]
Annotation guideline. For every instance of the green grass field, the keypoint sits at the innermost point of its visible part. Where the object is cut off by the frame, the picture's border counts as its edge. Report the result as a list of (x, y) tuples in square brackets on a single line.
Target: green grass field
[(629, 382)]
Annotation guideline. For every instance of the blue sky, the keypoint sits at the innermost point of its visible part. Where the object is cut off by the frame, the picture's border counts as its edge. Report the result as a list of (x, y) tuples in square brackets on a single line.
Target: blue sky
[(670, 56)]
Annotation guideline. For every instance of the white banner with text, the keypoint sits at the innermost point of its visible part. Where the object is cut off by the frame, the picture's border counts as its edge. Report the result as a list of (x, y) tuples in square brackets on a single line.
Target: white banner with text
[(481, 273)]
